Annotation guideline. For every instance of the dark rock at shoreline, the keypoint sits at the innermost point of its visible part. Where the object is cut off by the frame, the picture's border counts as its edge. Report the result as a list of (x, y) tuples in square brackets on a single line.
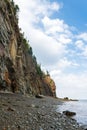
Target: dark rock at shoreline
[(69, 113), (39, 96), (67, 99)]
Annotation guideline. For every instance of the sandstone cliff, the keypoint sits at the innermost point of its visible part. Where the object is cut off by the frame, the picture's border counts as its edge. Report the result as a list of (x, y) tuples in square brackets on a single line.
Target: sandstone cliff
[(19, 70)]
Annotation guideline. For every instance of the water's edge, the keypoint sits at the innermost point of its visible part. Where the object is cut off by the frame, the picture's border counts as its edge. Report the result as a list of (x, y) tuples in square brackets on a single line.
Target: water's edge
[(80, 107)]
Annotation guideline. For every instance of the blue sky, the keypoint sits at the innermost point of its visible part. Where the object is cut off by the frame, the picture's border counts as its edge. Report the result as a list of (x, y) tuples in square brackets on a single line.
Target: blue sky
[(74, 13), (57, 31)]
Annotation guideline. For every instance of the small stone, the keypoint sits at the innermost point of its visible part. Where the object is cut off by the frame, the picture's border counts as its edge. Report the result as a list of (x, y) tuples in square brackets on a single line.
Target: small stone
[(41, 128), (32, 105), (8, 128), (4, 129), (19, 127), (10, 109)]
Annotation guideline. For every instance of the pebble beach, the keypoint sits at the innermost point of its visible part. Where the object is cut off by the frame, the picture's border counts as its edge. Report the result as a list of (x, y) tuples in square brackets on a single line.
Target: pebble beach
[(19, 112)]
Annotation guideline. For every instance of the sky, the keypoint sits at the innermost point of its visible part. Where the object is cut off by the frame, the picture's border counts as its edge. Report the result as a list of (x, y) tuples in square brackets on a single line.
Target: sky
[(57, 32)]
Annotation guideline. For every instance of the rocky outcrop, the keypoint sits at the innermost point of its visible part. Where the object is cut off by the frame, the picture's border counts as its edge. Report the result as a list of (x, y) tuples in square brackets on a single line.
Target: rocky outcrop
[(50, 83), (19, 70), (69, 113)]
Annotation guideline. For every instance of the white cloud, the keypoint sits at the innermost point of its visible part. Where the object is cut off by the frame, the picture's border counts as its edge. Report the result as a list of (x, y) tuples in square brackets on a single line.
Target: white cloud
[(73, 80), (84, 53), (57, 29), (64, 63), (35, 10), (65, 39), (71, 85), (55, 72), (54, 25), (80, 44), (82, 36), (48, 48), (55, 6)]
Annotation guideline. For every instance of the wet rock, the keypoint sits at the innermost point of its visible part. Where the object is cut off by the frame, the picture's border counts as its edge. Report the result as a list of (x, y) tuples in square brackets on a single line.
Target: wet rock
[(69, 113)]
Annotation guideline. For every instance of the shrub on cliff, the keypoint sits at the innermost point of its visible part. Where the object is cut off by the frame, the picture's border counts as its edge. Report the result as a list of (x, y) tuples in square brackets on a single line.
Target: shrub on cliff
[(25, 42), (39, 71), (30, 51), (15, 8)]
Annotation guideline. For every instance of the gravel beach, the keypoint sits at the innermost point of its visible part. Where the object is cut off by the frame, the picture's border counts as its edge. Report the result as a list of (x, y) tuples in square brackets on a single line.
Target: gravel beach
[(19, 112)]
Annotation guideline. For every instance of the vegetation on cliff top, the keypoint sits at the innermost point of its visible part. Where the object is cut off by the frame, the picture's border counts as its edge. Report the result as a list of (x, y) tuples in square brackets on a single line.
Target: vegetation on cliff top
[(15, 8)]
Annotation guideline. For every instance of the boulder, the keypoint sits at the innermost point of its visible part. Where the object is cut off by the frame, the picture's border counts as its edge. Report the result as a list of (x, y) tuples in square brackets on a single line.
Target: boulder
[(39, 96), (69, 113)]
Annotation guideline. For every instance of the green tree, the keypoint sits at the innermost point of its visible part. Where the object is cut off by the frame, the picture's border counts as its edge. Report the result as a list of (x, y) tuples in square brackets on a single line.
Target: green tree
[(25, 42), (30, 51), (39, 71), (15, 8), (47, 73), (34, 59)]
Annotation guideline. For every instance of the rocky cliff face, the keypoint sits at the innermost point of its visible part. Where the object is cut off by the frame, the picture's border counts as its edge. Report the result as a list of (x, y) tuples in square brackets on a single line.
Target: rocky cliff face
[(19, 71)]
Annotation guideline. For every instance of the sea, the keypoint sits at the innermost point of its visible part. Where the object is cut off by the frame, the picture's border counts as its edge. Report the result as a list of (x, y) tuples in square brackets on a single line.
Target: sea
[(80, 107)]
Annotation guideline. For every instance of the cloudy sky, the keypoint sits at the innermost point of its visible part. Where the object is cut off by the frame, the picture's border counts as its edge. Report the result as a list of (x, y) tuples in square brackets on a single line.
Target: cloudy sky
[(57, 31)]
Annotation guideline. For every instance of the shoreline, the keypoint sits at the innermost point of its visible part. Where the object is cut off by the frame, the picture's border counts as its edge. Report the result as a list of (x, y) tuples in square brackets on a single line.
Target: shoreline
[(19, 112)]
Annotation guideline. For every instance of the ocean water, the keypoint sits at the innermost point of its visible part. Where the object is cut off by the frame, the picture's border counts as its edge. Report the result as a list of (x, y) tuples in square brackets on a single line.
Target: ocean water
[(80, 107)]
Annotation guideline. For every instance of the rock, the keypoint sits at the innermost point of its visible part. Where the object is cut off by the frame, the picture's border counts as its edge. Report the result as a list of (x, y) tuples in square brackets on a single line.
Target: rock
[(69, 113), (41, 128), (32, 105), (66, 98), (19, 127), (39, 96), (8, 128), (4, 129), (10, 109)]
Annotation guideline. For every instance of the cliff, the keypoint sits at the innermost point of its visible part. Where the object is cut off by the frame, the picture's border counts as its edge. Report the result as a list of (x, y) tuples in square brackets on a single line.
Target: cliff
[(19, 70)]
